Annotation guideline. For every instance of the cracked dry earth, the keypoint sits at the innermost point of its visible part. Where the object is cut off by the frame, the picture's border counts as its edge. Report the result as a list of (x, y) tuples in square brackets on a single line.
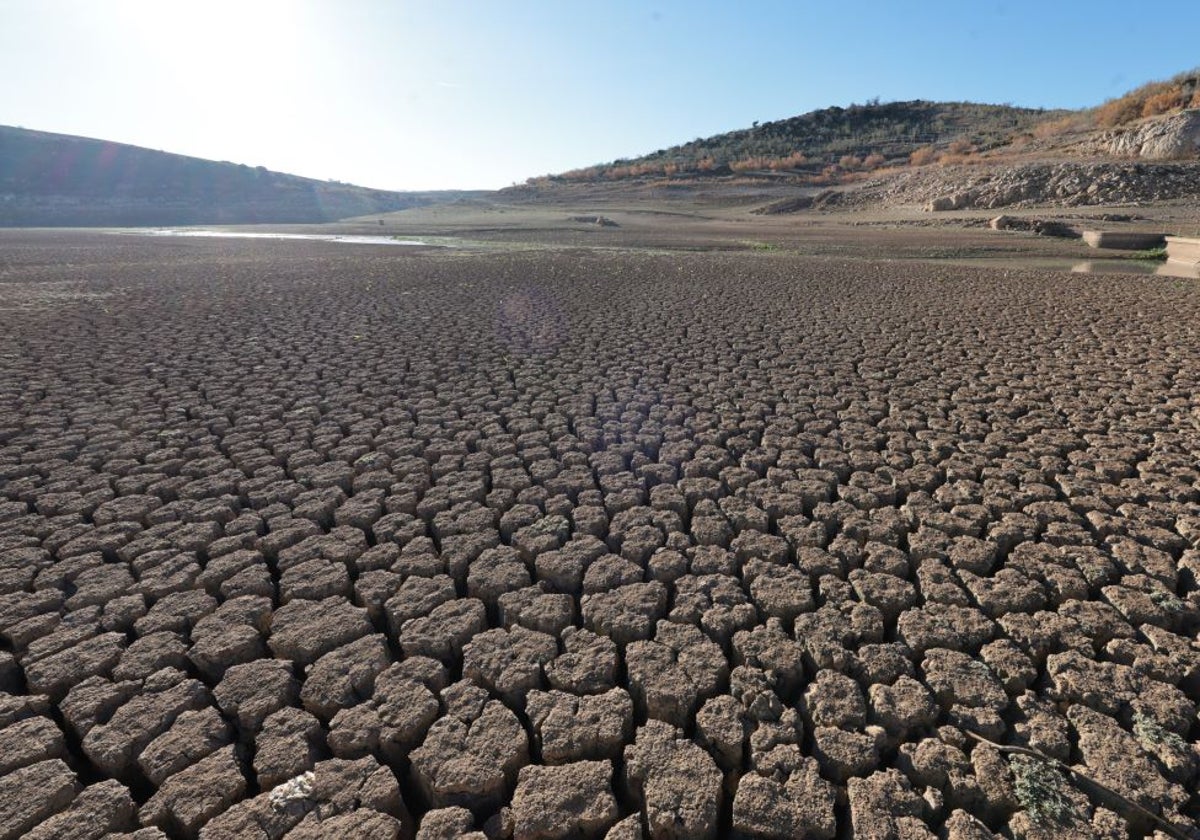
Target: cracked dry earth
[(301, 540)]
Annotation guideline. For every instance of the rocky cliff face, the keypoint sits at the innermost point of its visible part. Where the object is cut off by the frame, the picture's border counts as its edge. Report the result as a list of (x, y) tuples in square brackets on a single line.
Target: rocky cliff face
[(1176, 137), (1063, 184)]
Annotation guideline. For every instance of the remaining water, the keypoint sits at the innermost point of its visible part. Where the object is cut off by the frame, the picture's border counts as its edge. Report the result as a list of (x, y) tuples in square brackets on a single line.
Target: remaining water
[(1097, 266), (1161, 269), (349, 239)]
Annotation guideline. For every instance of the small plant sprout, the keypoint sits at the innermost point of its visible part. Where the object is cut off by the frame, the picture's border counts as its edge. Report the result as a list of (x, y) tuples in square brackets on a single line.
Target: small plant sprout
[(1151, 733), (1039, 788)]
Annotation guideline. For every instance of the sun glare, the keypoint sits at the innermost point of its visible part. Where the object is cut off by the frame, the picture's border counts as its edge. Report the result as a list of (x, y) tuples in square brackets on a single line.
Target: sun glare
[(217, 42)]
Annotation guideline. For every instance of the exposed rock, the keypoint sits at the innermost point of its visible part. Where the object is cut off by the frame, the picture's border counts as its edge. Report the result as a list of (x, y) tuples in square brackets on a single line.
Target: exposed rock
[(1172, 137), (1067, 183)]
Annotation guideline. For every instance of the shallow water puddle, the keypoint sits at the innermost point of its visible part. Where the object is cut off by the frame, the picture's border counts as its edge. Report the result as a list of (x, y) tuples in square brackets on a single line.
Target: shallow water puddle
[(350, 239), (1074, 266)]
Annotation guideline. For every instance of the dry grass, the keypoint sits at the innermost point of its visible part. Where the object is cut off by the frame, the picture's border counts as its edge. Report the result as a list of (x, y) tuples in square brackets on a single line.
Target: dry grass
[(923, 156), (1151, 100)]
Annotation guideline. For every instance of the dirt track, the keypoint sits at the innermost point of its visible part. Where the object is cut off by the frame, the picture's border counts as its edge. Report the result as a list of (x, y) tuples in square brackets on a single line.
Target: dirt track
[(589, 543)]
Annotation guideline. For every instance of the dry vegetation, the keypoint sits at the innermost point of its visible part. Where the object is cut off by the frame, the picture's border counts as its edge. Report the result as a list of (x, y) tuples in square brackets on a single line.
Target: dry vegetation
[(302, 540), (1151, 100)]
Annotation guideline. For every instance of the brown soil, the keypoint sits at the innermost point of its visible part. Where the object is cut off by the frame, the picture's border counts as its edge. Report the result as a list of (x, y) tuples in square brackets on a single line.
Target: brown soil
[(697, 524)]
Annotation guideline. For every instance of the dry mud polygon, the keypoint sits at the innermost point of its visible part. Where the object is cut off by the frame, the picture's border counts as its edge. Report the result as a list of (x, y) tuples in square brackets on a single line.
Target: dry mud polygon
[(301, 540)]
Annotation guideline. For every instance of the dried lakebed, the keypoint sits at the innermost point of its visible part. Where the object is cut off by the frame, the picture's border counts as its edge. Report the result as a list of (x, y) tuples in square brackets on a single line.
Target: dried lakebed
[(299, 542)]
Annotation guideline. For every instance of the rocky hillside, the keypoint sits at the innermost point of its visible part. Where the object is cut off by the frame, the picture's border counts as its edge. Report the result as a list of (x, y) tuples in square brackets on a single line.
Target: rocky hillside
[(857, 138), (58, 179), (1133, 148), (1063, 184)]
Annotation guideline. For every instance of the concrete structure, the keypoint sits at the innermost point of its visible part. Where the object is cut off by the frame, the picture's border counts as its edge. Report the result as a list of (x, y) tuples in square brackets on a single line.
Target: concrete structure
[(1126, 240), (1184, 250)]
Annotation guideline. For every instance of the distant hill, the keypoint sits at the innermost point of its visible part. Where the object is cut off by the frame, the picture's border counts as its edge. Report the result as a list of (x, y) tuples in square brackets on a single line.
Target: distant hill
[(58, 179), (868, 135), (837, 145)]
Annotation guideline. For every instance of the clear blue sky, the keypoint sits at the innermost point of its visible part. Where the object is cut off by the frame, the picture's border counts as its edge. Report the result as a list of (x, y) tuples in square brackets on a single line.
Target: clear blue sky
[(452, 94)]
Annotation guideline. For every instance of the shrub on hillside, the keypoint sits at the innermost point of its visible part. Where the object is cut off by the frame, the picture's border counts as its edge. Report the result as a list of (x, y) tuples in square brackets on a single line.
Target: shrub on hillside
[(1060, 126), (923, 156), (1163, 103), (1150, 100)]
